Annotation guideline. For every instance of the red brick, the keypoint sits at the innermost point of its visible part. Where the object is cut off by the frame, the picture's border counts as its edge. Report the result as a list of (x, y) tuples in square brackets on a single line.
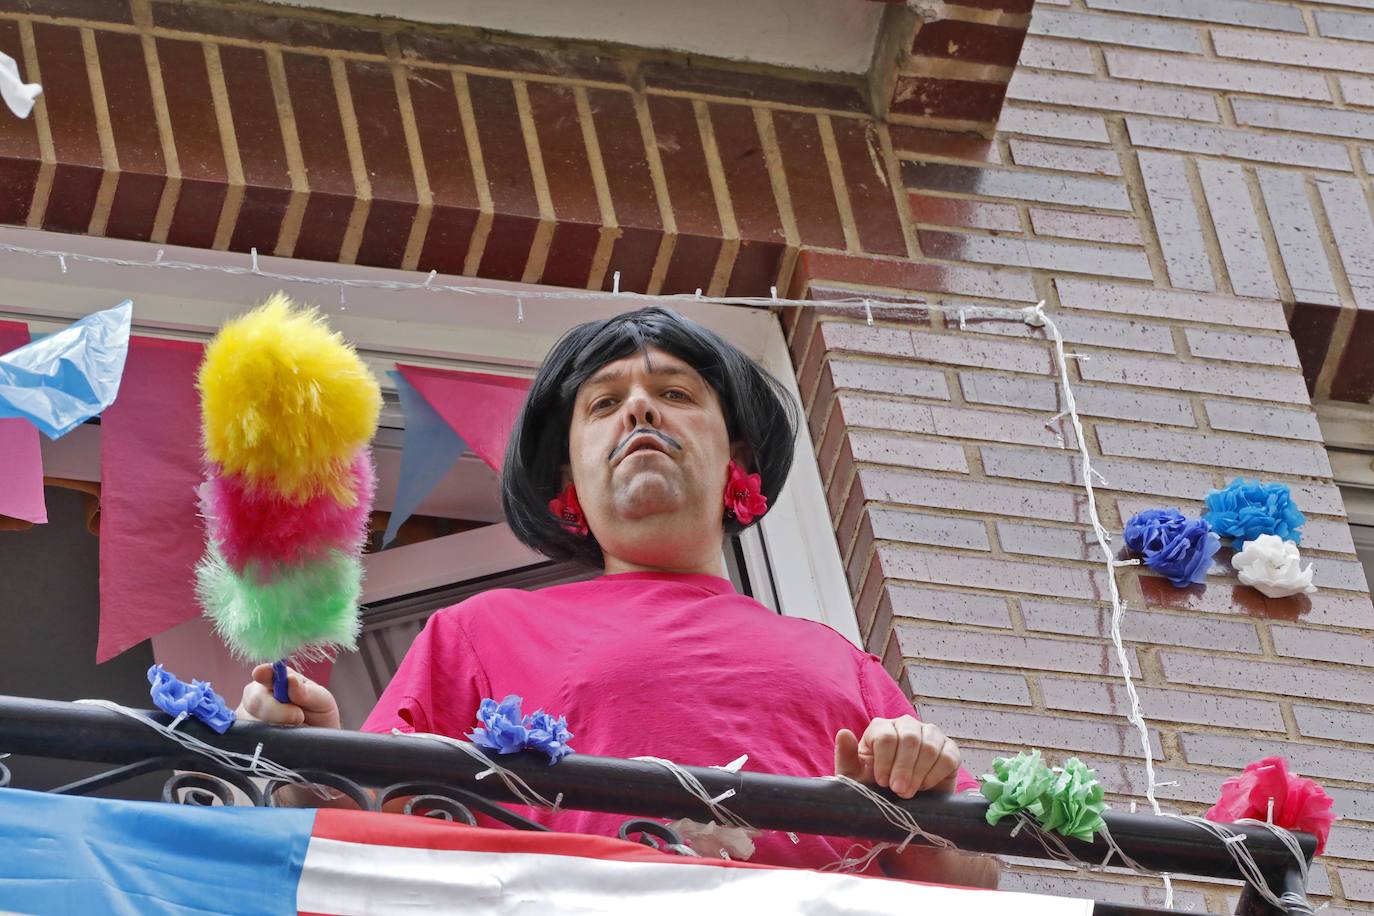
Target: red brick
[(1269, 350), (71, 120), (974, 42), (948, 683), (1353, 229), (1113, 30), (1090, 92), (1148, 627), (1127, 476), (261, 148), (958, 211), (1036, 394), (879, 340), (138, 143), (942, 97), (1349, 842), (1019, 729), (1309, 119), (908, 139), (746, 172), (952, 422), (319, 126), (889, 378), (1081, 329), (448, 166), (969, 350), (821, 93), (511, 180), (808, 179), (1092, 227), (1358, 884), (1036, 253), (1044, 54), (1206, 378), (1324, 646), (266, 28), (869, 188), (1176, 221), (1214, 450), (978, 572), (1310, 760), (933, 530), (1345, 26), (1059, 125), (1320, 534), (1162, 705), (911, 275), (1041, 187), (905, 451), (1263, 421), (631, 187), (1313, 326), (1302, 680), (1220, 598), (1176, 305), (571, 190), (1036, 154), (1354, 379), (837, 299), (945, 606), (200, 151), (1298, 237), (1044, 541), (19, 150), (1212, 74), (1304, 53), (980, 647), (1218, 12), (387, 160), (687, 176), (1237, 144), (1242, 244)]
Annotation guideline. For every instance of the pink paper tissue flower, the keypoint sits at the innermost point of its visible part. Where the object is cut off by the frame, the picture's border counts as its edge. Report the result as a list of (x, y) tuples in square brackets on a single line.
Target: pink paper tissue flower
[(1299, 804), (744, 495)]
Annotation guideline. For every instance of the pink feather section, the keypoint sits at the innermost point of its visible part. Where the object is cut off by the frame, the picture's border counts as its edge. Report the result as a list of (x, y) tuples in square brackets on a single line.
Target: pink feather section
[(252, 523)]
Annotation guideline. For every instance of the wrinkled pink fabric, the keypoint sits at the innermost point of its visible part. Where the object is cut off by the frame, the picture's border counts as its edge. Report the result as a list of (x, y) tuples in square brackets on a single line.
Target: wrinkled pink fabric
[(651, 664), (1299, 804)]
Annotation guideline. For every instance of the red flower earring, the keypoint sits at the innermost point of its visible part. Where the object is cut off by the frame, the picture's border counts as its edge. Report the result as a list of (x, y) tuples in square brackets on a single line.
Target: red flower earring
[(744, 498), (568, 511)]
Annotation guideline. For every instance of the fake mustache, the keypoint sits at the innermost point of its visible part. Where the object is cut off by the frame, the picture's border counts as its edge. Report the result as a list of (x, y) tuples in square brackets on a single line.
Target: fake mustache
[(662, 437)]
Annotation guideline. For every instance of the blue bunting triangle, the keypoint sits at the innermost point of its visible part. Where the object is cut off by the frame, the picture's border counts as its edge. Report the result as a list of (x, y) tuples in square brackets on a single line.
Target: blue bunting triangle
[(429, 451)]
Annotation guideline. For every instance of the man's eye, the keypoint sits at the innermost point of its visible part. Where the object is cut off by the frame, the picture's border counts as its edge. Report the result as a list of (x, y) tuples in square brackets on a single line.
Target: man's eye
[(603, 403), (677, 394)]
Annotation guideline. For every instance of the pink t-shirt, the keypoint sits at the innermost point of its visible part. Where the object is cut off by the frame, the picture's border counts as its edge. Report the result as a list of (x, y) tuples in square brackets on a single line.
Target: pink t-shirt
[(651, 664)]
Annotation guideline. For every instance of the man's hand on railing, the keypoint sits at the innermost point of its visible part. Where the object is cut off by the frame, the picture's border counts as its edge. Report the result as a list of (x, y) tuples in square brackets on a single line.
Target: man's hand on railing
[(311, 704), (904, 755)]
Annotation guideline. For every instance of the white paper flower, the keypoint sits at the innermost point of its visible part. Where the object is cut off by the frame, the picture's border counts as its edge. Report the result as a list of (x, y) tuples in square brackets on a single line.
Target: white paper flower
[(1273, 566)]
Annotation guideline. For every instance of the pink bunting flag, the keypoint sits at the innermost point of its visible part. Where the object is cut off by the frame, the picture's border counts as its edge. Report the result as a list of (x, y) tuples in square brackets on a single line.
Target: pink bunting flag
[(21, 456), (150, 467), (480, 408)]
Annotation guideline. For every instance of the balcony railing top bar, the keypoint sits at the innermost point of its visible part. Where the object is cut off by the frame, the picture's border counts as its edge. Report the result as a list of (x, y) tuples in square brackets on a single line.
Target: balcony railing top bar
[(90, 733)]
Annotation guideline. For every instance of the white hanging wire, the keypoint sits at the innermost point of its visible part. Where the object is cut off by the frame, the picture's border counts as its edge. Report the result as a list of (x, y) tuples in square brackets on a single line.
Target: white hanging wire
[(1288, 901), (723, 815), (895, 815), (517, 786), (252, 764), (1035, 317), (855, 304)]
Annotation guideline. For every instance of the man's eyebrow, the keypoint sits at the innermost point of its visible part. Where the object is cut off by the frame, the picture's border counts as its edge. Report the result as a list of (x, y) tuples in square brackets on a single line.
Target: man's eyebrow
[(613, 375)]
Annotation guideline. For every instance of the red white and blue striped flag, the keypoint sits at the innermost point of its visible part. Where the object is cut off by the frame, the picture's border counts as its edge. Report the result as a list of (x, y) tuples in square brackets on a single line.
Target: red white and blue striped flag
[(62, 855)]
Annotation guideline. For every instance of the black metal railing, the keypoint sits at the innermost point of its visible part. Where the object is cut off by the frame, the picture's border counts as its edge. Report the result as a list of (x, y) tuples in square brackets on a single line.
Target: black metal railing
[(441, 781)]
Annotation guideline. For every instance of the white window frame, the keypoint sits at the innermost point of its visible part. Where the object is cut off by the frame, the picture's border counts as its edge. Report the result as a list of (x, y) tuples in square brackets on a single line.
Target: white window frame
[(795, 545)]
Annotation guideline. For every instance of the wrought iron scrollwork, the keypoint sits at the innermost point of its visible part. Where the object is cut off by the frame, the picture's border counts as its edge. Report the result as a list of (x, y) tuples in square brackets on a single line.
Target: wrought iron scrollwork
[(655, 835)]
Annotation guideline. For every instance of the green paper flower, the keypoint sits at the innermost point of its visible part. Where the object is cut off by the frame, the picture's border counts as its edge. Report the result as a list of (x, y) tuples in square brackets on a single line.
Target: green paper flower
[(1016, 784), (1074, 805)]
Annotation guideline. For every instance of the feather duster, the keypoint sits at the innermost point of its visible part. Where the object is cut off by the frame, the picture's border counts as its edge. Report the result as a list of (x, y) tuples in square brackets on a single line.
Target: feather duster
[(287, 410)]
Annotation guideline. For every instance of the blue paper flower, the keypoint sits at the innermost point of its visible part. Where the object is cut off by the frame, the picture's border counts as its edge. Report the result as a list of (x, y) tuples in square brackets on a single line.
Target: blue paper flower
[(176, 697), (501, 729), (1248, 508), (548, 735), (505, 731), (1177, 547)]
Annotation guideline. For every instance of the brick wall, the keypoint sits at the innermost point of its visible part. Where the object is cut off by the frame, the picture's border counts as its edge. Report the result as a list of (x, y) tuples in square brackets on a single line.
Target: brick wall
[(1206, 246)]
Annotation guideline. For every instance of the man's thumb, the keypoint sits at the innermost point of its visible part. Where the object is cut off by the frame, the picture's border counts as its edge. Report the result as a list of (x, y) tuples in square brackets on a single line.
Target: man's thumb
[(847, 761)]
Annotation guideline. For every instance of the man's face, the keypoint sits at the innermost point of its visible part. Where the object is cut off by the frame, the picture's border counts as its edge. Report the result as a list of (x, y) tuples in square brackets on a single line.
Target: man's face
[(648, 444)]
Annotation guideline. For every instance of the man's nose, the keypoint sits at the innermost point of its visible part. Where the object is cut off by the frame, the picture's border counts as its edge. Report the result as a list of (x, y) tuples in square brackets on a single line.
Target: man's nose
[(639, 411)]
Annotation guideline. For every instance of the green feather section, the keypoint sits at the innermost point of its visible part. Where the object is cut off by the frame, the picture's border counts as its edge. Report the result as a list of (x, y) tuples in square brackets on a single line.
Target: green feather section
[(264, 614)]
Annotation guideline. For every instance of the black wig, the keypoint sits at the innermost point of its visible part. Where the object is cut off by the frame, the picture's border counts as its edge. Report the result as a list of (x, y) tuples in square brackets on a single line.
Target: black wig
[(758, 411)]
